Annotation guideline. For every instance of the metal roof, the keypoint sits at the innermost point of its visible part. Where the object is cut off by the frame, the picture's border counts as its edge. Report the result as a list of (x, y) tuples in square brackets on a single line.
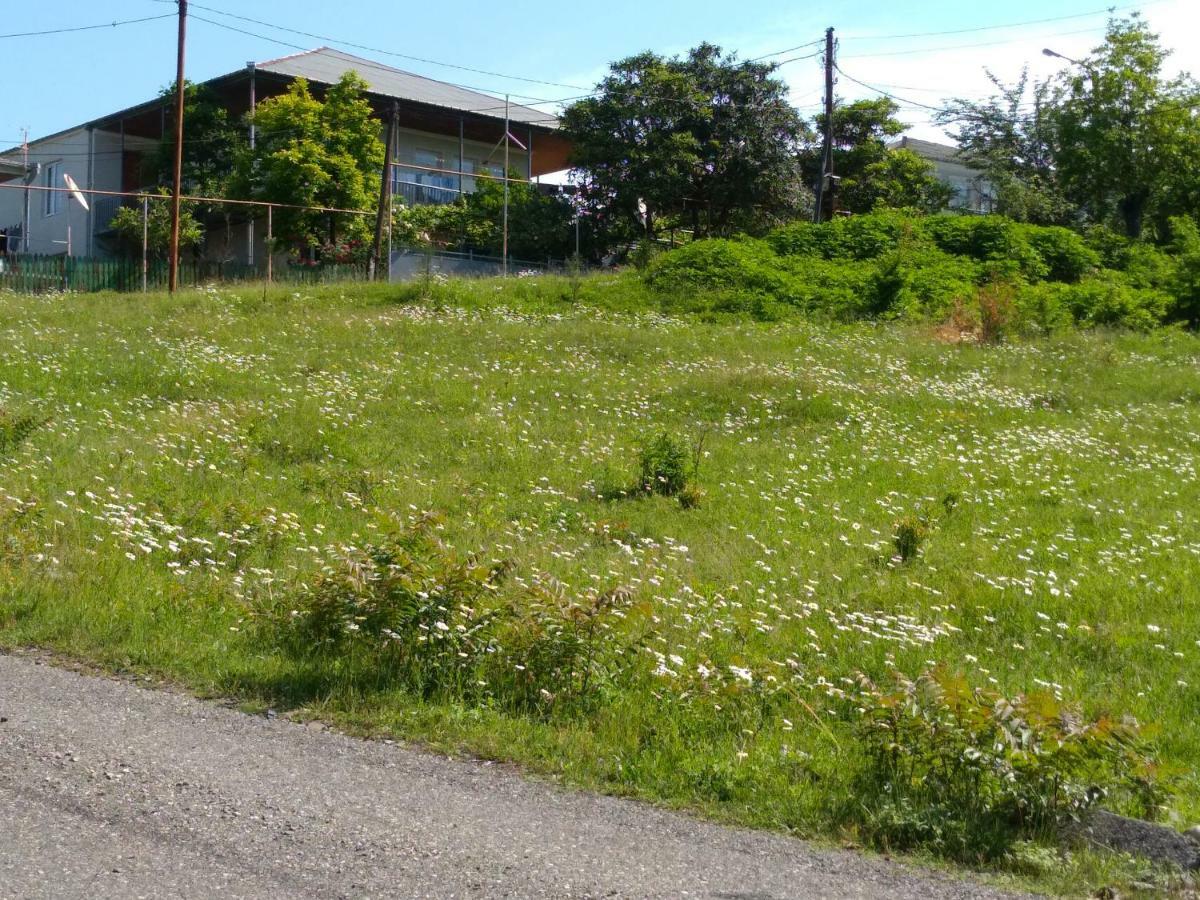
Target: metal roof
[(931, 150), (326, 65)]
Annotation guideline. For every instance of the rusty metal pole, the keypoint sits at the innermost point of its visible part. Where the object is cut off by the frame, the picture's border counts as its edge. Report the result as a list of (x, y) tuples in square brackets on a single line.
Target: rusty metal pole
[(270, 244), (177, 192), (145, 240)]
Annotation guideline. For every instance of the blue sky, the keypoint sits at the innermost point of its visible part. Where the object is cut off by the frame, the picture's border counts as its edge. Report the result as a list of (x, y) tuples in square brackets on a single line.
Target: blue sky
[(56, 81)]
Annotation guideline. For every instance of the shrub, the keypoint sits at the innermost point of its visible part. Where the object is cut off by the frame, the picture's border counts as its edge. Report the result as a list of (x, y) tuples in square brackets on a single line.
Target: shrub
[(418, 611), (922, 282), (1185, 279), (968, 772), (993, 239), (412, 613), (1065, 254), (996, 311), (664, 464), (1044, 307), (1108, 299), (908, 536), (718, 264)]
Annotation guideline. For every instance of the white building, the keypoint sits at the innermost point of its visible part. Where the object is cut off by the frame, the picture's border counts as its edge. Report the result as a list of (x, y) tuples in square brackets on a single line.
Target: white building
[(448, 136), (972, 191)]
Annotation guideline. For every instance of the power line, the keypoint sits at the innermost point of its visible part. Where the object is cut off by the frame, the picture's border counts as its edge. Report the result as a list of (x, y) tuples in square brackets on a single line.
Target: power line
[(364, 63), (1084, 15), (788, 50), (421, 59), (915, 50), (114, 24)]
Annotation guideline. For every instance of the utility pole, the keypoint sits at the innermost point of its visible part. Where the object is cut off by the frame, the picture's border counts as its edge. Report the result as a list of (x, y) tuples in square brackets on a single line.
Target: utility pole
[(177, 191), (385, 195), (25, 164), (504, 251), (827, 151)]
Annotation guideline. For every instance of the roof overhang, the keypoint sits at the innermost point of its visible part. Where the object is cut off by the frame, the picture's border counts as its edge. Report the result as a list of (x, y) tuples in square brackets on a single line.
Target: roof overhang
[(11, 170)]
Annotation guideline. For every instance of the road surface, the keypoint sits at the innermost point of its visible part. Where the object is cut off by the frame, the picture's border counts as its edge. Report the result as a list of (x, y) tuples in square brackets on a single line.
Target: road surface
[(108, 790)]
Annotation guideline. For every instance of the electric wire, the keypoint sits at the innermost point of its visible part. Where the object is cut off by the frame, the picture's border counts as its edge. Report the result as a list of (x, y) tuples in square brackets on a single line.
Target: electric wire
[(75, 28)]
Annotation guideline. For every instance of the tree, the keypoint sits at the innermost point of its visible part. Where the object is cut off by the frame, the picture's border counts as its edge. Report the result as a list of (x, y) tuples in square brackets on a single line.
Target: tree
[(539, 225), (703, 141), (127, 224), (870, 174), (1124, 132), (314, 153), (1012, 137), (211, 143)]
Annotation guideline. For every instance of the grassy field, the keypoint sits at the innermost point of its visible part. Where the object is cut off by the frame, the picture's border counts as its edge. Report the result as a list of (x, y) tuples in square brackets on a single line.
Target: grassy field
[(177, 474)]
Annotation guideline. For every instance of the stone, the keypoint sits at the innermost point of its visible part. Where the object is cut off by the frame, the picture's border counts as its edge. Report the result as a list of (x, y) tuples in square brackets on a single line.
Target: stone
[(1157, 843)]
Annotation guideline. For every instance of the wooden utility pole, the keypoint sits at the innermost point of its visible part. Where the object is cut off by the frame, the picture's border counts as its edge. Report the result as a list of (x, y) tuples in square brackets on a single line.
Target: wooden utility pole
[(177, 191), (827, 151), (385, 193)]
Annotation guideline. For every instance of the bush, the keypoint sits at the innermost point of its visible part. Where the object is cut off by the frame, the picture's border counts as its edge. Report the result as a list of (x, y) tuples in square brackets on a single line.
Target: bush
[(719, 264), (410, 612), (922, 283), (1065, 254), (664, 465), (992, 239), (854, 237), (969, 772)]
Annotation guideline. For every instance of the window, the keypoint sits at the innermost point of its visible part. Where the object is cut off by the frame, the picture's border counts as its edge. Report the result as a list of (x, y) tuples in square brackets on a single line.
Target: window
[(52, 176)]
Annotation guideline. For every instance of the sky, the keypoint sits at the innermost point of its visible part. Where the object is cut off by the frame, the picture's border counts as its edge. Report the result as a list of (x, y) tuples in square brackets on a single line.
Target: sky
[(921, 52)]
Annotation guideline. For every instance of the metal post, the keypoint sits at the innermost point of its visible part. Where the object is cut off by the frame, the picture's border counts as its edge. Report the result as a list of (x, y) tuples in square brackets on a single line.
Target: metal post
[(91, 183), (173, 271), (504, 253), (461, 160), (270, 244), (145, 241)]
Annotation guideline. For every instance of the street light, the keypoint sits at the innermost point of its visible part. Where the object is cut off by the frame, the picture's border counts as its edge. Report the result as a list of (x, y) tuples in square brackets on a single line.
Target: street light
[(1046, 51)]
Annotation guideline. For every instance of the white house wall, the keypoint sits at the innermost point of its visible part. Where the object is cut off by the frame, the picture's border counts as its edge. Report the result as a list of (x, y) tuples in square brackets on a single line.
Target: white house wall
[(93, 159)]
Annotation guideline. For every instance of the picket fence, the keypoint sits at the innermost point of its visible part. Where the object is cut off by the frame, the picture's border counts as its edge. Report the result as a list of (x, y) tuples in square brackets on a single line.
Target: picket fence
[(36, 273)]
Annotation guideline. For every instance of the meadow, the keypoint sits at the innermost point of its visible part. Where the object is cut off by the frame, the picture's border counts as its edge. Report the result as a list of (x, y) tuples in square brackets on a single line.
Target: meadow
[(228, 488)]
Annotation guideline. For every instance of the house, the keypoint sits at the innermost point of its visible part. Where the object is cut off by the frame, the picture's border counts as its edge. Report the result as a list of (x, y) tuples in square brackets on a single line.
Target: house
[(448, 136), (972, 191)]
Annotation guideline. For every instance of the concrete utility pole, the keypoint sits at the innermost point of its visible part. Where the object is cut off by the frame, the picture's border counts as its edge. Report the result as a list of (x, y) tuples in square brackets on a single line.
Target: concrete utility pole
[(385, 194), (177, 191), (827, 152), (504, 252)]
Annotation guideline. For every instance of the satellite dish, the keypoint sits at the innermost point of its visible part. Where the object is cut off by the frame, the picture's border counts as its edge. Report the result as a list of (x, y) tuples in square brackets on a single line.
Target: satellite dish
[(32, 173), (75, 192)]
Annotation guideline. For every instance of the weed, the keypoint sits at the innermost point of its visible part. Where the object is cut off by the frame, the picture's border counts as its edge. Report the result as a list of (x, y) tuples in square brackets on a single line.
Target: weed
[(908, 535), (969, 772), (664, 460)]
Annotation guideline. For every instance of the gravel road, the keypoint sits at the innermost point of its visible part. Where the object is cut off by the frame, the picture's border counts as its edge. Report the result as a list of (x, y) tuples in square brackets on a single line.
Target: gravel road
[(111, 790)]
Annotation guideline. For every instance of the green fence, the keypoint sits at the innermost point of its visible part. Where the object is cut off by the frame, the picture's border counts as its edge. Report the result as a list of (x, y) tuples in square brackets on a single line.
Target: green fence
[(34, 274)]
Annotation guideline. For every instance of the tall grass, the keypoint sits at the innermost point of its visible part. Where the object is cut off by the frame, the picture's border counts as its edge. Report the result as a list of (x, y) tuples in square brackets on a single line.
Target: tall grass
[(423, 518)]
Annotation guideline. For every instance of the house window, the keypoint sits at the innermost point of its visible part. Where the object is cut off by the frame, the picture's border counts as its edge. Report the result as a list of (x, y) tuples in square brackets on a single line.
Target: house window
[(53, 201)]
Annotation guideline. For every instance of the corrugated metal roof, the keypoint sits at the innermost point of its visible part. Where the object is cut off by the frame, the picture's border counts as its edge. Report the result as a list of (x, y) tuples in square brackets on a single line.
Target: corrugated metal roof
[(326, 65)]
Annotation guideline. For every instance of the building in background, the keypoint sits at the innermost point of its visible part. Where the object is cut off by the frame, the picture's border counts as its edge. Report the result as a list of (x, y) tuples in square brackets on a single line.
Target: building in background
[(449, 136), (972, 191)]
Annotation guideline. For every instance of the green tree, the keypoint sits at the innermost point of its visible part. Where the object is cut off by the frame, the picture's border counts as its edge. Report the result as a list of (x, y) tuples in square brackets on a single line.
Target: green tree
[(316, 153), (212, 140), (869, 174), (1012, 138), (1127, 135), (127, 224), (702, 141), (540, 225)]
